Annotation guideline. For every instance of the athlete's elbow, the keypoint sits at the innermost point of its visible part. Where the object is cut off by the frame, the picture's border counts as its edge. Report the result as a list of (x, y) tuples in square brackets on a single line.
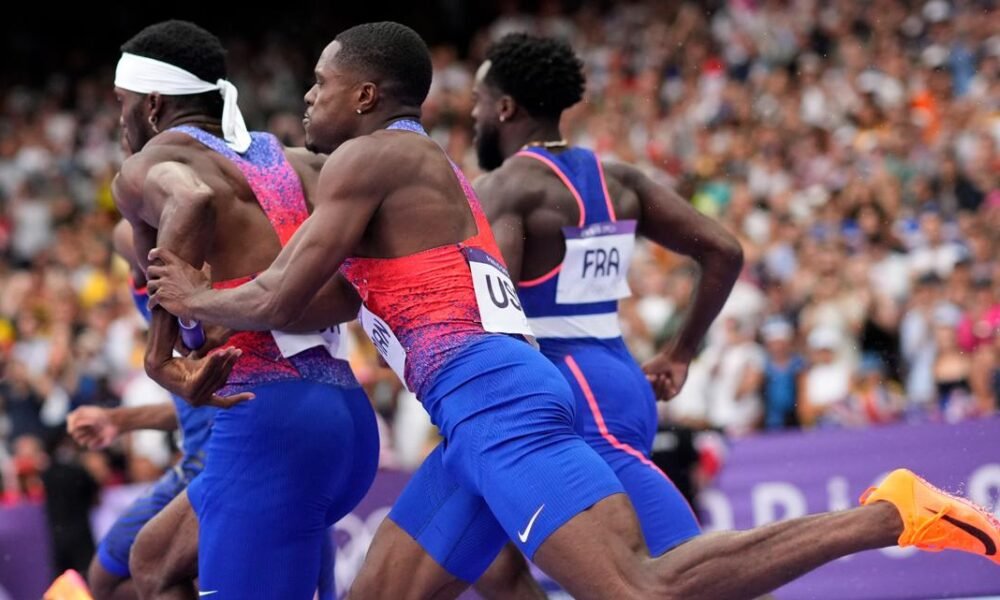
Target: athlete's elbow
[(723, 254), (152, 363), (730, 253), (155, 367), (279, 313)]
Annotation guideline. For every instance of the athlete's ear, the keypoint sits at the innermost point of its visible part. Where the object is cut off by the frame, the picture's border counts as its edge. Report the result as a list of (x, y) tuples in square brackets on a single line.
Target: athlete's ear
[(154, 107), (506, 108), (368, 95)]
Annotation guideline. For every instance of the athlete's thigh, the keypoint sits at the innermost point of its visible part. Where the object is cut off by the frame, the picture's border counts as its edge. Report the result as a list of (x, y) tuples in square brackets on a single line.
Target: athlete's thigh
[(240, 557), (267, 493), (398, 568), (113, 551), (167, 547), (599, 553), (448, 523), (617, 409), (665, 517), (519, 449), (614, 400)]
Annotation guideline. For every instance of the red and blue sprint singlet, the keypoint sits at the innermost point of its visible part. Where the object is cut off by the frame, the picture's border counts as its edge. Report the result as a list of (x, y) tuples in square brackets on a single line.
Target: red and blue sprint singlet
[(270, 356), (420, 309)]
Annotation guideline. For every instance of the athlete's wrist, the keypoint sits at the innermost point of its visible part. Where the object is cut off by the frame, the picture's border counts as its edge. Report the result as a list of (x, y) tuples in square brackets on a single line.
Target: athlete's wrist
[(116, 417), (197, 304), (680, 352)]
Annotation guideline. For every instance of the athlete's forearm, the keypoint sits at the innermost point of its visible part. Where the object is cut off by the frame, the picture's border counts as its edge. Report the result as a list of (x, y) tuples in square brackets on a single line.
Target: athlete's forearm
[(336, 303), (719, 271), (249, 307), (159, 358), (161, 417)]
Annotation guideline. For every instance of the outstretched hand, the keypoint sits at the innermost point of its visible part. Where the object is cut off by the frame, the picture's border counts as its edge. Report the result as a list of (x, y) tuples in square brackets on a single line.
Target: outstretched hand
[(204, 376), (173, 284), (666, 373), (91, 427)]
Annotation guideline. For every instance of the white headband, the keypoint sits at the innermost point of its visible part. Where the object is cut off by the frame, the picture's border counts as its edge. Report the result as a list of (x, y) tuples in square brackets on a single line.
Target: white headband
[(144, 75)]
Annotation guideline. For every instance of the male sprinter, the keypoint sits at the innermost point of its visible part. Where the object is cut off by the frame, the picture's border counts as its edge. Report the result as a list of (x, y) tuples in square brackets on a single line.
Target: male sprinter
[(440, 307), (566, 225), (284, 466), (96, 427)]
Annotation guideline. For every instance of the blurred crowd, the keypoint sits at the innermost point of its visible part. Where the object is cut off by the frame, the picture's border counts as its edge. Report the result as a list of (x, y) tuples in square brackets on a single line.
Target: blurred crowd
[(853, 148)]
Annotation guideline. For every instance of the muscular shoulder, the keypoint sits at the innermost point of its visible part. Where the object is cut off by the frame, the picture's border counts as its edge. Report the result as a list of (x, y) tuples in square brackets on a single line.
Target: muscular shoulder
[(517, 185), (379, 161), (305, 161), (148, 180), (127, 186), (622, 174), (166, 147)]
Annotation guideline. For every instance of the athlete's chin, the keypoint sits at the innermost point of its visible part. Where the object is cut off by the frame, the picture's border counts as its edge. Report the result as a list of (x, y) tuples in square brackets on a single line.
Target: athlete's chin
[(488, 160), (314, 145), (487, 144)]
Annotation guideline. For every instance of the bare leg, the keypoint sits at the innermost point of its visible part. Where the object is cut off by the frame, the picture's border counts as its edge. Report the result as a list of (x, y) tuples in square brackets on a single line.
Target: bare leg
[(601, 554), (107, 586), (407, 571), (768, 557), (164, 559), (595, 555), (509, 578)]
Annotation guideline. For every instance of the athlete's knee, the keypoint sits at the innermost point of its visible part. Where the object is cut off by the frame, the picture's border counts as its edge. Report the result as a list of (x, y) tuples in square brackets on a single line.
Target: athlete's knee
[(641, 576), (658, 579), (374, 568), (397, 567), (144, 562), (102, 584), (678, 572), (509, 577)]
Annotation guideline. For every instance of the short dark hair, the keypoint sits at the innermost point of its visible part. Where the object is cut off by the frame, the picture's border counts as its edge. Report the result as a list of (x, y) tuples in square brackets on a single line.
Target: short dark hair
[(392, 52), (542, 74), (188, 46)]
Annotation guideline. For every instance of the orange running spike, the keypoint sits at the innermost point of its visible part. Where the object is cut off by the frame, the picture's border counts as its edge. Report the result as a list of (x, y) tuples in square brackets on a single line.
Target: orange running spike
[(68, 586), (934, 520)]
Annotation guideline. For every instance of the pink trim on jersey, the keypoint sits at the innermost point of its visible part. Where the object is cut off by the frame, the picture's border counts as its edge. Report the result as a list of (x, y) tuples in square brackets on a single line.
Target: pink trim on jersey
[(595, 410), (604, 186), (565, 180), (542, 279)]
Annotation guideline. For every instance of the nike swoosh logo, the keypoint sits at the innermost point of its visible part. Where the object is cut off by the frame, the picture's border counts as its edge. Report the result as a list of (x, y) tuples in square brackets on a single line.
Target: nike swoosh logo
[(988, 545), (200, 594), (523, 535)]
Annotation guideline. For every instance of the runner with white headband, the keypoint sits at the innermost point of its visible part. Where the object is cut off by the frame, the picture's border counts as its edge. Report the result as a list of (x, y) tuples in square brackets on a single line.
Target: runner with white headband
[(144, 75), (197, 181)]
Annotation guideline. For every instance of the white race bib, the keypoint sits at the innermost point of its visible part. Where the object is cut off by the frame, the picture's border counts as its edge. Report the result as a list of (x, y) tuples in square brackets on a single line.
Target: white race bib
[(595, 268), (385, 342), (291, 344), (499, 307)]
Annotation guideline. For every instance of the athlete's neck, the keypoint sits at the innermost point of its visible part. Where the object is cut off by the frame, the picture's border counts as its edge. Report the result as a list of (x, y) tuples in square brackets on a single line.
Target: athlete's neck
[(531, 131), (384, 120), (209, 124)]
